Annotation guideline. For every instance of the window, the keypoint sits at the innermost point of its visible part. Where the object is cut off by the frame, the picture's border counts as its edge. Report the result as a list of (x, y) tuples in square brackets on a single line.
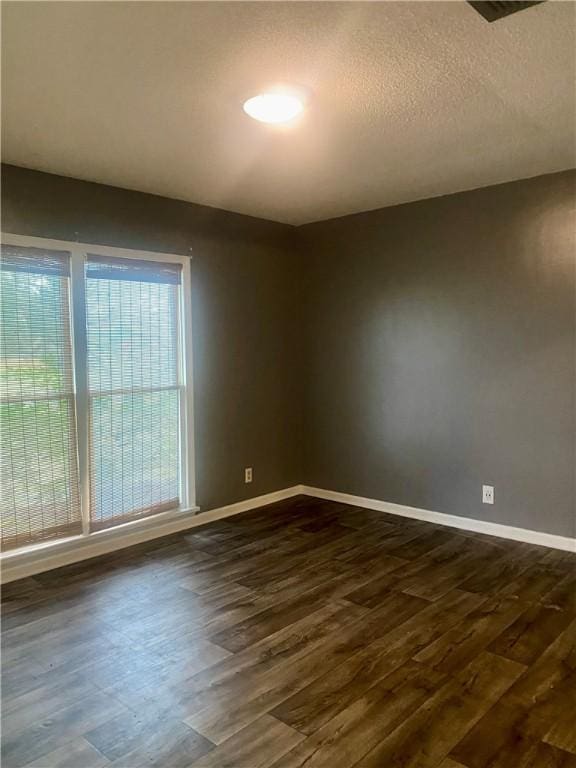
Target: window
[(40, 488), (95, 404)]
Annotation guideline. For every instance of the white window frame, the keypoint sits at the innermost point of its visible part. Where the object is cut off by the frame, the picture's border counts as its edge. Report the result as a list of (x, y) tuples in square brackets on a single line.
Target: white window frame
[(78, 255)]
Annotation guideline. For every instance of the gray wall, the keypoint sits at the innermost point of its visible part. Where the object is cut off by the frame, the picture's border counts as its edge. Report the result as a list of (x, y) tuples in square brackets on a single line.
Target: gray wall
[(441, 353), (246, 286), (430, 347)]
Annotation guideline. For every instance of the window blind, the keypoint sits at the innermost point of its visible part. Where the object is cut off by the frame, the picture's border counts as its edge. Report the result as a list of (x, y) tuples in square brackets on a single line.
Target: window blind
[(135, 270), (39, 471), (132, 313)]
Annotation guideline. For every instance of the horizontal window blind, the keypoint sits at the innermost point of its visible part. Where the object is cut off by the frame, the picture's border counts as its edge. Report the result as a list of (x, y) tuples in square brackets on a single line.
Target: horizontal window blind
[(132, 314), (134, 270), (94, 413), (39, 471)]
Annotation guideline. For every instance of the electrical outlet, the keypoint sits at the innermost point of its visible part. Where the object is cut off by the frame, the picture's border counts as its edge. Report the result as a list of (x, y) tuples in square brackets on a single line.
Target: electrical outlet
[(248, 475), (487, 494)]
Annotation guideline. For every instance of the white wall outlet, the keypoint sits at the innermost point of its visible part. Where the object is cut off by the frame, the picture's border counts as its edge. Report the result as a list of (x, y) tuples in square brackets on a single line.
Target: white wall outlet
[(248, 475), (487, 494)]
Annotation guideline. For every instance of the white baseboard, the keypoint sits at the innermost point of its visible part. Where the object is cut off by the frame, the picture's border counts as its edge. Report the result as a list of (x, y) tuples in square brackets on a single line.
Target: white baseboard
[(45, 557), (452, 521)]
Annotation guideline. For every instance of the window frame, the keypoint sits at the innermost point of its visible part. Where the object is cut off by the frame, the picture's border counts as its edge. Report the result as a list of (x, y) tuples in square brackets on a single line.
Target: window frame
[(78, 327)]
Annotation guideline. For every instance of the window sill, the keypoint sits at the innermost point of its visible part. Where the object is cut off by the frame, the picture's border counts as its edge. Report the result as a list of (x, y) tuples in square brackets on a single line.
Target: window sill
[(19, 563)]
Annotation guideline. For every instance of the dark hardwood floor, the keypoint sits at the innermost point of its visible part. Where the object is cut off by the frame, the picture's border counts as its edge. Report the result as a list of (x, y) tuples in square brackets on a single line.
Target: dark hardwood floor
[(307, 633)]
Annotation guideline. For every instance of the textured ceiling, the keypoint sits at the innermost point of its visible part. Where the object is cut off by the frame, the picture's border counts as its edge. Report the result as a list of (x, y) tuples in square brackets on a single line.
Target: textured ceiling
[(408, 99)]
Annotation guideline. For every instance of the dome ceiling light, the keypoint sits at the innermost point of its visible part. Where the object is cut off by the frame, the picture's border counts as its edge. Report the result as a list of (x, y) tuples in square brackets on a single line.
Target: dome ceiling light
[(274, 107)]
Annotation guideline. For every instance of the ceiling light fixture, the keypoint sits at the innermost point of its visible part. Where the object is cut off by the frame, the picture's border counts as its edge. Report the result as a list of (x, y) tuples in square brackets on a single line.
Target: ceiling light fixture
[(274, 107)]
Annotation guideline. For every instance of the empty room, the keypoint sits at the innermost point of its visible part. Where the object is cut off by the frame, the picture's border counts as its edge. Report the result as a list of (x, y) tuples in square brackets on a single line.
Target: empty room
[(288, 384)]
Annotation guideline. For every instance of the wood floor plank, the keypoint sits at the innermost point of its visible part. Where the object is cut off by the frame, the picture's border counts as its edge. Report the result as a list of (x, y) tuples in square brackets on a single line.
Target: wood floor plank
[(157, 633), (560, 731), (258, 745), (378, 589), (532, 707), (241, 673), (283, 613), (428, 735), (499, 573), (431, 576), (461, 643), (129, 734), (423, 544), (534, 583), (20, 595), (289, 584), (219, 721), (315, 705), (307, 633), (219, 595), (546, 756), (20, 677), (348, 736), (524, 752), (563, 596), (531, 634), (75, 754), (449, 574), (166, 745), (24, 711), (59, 725)]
